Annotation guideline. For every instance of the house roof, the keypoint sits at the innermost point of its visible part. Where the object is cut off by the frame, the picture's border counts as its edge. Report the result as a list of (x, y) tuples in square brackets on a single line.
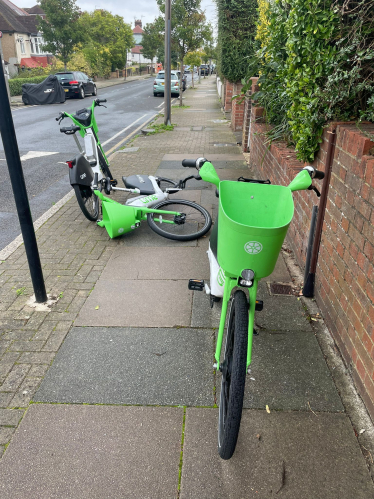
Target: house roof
[(138, 29), (34, 62), (17, 10), (16, 20), (137, 49), (36, 10)]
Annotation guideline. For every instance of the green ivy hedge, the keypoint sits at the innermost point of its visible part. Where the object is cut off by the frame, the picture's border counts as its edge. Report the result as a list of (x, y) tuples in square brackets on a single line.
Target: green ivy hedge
[(315, 66), (236, 37), (15, 84)]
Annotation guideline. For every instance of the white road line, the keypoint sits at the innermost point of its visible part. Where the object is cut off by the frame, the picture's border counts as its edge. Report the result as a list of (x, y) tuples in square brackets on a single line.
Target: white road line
[(129, 135), (124, 130), (11, 248), (36, 154)]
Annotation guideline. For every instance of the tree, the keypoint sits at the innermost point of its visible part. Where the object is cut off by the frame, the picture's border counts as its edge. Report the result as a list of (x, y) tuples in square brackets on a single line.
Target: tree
[(60, 29), (152, 41), (193, 59), (110, 39), (188, 28)]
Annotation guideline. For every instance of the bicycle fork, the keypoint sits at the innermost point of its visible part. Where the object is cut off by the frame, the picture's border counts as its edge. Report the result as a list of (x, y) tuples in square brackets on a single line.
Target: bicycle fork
[(230, 284)]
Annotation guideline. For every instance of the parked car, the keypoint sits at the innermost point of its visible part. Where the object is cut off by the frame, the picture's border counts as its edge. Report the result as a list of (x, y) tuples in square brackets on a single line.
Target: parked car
[(159, 83), (76, 84), (187, 69), (204, 69)]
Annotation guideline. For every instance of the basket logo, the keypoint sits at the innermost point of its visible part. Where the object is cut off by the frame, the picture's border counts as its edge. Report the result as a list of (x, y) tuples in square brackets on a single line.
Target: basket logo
[(120, 230), (253, 247)]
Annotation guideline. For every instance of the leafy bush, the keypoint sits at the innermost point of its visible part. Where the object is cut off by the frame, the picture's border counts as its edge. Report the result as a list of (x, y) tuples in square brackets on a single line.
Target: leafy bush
[(236, 33), (15, 84), (315, 65)]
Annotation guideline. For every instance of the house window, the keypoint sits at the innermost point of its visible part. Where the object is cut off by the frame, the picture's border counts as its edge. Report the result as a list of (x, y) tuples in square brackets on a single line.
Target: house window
[(36, 45), (22, 45)]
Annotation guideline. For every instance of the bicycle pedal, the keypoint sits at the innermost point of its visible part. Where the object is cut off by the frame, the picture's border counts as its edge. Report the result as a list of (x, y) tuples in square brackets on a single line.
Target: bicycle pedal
[(196, 284), (114, 182), (259, 305)]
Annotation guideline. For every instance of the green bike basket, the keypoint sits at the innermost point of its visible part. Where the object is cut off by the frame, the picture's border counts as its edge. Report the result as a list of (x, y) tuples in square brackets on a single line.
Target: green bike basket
[(117, 218), (253, 222)]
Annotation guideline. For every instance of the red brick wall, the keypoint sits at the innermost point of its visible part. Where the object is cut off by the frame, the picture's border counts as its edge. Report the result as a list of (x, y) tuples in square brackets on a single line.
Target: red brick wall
[(228, 95), (344, 288), (247, 115), (237, 112)]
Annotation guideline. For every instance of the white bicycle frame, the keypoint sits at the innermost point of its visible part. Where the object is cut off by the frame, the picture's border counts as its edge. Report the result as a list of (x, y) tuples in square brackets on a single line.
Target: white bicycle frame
[(148, 200)]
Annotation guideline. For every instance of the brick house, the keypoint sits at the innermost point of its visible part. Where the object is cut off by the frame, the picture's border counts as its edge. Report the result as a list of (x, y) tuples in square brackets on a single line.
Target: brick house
[(21, 40), (136, 52)]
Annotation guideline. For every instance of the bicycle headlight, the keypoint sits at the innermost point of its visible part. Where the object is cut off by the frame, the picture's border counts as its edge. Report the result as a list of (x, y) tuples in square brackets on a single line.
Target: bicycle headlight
[(246, 278)]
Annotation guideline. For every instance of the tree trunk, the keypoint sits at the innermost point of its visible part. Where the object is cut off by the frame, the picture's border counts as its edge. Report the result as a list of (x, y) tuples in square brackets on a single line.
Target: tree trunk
[(193, 86), (181, 85)]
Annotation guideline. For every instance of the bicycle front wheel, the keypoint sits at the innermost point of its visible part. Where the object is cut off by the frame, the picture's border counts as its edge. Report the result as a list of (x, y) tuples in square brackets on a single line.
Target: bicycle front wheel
[(88, 202), (193, 222), (104, 165), (233, 368)]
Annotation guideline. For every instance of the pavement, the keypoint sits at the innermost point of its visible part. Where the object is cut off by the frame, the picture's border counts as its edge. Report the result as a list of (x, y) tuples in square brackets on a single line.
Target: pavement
[(16, 100), (112, 393)]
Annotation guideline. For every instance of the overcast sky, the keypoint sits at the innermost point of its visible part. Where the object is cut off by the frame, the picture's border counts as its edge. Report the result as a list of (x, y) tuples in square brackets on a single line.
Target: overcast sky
[(146, 10)]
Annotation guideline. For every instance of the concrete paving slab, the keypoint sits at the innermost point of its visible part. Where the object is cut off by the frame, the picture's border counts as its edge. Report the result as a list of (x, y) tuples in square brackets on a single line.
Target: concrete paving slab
[(281, 313), (158, 263), (63, 451), (280, 273), (289, 373), (153, 303), (132, 366), (212, 157), (190, 195), (224, 174), (144, 236), (202, 314), (282, 454), (174, 165)]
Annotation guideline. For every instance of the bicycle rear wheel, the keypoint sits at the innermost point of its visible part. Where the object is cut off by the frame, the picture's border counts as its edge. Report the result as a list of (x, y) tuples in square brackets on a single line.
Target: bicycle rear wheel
[(88, 202), (233, 371), (193, 222)]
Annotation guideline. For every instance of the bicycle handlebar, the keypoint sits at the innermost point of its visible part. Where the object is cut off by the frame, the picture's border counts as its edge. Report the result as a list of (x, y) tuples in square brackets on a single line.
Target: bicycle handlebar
[(189, 163), (314, 173), (60, 116), (319, 175), (99, 101)]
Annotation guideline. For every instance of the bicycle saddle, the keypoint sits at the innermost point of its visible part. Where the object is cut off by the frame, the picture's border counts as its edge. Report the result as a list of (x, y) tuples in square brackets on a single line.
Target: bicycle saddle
[(141, 182)]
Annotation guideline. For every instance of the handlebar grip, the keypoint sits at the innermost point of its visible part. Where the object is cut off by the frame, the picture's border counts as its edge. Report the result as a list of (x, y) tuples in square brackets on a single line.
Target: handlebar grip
[(99, 101), (189, 163), (319, 175)]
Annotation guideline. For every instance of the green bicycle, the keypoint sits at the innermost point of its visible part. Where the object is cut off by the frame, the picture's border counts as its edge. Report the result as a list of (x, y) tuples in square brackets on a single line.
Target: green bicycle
[(253, 220)]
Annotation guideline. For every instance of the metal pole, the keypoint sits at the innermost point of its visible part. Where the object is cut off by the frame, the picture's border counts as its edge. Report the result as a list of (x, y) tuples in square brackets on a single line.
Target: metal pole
[(9, 139), (167, 92)]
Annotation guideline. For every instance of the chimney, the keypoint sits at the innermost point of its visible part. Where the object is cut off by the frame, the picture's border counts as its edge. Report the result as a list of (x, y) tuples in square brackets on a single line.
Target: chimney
[(138, 22)]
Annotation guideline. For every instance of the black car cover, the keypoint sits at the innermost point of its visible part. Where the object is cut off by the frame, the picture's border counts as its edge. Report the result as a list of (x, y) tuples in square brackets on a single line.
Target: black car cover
[(48, 91)]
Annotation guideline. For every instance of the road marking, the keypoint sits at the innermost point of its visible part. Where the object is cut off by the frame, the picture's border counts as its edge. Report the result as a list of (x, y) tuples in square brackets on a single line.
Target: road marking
[(124, 130), (11, 248), (36, 154), (130, 135)]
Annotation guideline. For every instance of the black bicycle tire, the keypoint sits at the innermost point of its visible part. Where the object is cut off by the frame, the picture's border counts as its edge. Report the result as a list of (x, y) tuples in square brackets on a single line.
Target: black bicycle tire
[(104, 165), (229, 423), (86, 213), (177, 237)]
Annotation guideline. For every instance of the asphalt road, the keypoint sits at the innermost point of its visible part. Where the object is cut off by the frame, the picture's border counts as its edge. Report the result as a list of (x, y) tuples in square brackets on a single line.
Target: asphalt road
[(44, 150)]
